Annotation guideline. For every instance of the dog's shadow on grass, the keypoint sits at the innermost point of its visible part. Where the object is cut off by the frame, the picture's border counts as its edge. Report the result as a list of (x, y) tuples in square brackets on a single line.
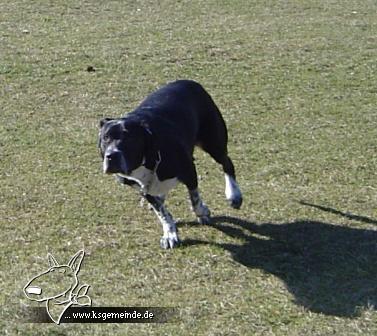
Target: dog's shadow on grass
[(329, 269)]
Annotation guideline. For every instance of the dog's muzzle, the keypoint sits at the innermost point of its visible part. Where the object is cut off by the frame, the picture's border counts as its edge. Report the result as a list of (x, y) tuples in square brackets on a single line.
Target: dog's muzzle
[(114, 162)]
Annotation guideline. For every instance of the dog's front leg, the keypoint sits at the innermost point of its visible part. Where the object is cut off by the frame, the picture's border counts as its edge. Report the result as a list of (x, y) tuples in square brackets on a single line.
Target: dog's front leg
[(170, 234)]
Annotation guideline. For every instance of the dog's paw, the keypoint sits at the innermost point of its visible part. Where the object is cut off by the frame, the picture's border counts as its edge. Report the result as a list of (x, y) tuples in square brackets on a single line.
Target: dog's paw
[(235, 202), (204, 215), (169, 241), (205, 220), (232, 192), (202, 210)]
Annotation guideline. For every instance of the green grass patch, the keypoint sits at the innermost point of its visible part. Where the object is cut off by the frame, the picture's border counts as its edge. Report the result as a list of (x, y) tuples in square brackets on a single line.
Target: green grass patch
[(295, 81)]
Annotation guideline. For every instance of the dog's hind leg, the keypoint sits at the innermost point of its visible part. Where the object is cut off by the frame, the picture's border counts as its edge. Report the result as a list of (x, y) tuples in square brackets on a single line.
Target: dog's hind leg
[(170, 237), (232, 191), (213, 139), (218, 151)]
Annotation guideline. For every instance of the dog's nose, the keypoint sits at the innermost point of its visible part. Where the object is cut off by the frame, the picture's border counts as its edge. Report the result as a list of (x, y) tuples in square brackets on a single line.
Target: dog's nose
[(112, 156), (114, 162)]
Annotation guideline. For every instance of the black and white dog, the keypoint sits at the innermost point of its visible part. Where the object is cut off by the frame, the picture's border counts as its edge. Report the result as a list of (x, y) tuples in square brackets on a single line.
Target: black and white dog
[(152, 148)]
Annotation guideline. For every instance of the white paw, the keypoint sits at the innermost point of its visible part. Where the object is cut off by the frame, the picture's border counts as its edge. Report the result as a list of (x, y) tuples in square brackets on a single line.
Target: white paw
[(169, 240), (232, 192)]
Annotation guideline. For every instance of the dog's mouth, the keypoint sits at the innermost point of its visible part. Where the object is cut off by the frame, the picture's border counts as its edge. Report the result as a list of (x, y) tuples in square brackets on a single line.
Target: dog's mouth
[(114, 163), (109, 168)]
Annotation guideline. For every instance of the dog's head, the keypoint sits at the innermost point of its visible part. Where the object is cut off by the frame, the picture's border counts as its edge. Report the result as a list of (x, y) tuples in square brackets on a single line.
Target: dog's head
[(123, 144)]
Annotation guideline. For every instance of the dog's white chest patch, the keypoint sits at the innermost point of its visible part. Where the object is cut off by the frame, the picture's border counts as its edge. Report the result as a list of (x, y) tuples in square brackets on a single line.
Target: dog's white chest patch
[(149, 182)]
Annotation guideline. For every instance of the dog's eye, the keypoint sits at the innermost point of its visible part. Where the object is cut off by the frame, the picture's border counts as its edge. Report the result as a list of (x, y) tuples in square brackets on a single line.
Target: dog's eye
[(106, 138)]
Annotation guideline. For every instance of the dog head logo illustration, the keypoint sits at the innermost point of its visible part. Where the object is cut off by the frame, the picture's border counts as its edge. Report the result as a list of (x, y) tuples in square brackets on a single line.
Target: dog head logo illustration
[(59, 287)]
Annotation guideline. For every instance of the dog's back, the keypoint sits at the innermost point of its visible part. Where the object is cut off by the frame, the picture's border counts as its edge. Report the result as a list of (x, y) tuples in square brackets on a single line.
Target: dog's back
[(179, 104)]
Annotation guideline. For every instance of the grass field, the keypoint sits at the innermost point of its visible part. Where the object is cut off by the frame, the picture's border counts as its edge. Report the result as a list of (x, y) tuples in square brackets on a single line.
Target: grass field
[(296, 83)]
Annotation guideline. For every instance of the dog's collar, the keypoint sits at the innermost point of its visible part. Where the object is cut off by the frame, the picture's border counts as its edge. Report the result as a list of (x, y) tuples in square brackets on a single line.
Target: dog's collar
[(158, 161), (148, 130)]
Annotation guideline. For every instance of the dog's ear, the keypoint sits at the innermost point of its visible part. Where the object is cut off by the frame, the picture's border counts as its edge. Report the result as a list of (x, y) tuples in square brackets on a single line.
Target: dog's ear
[(151, 146), (104, 121)]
